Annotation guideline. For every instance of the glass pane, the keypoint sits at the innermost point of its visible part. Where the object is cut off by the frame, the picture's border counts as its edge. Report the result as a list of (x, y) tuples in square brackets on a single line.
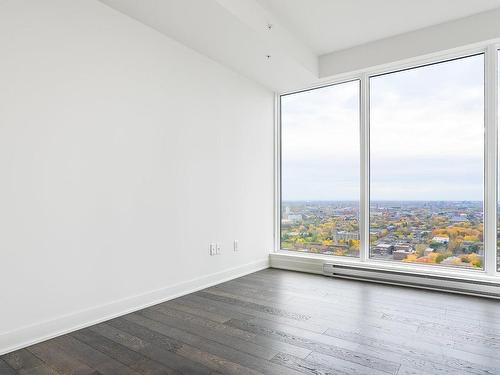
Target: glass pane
[(320, 170), (426, 164)]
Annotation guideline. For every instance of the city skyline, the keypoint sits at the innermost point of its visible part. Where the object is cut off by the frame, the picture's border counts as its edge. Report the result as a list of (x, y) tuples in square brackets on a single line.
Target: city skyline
[(444, 233)]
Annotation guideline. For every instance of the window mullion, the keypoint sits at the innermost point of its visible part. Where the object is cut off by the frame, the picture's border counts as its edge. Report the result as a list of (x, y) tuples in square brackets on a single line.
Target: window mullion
[(364, 209), (491, 140), (277, 172)]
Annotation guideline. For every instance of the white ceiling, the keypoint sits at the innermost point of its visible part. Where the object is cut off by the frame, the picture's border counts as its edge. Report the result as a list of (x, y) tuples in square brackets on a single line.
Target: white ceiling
[(331, 25), (235, 32)]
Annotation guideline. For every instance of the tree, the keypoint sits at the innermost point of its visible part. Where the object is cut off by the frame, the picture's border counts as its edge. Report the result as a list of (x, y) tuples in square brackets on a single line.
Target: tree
[(454, 245), (435, 245), (410, 258), (420, 249)]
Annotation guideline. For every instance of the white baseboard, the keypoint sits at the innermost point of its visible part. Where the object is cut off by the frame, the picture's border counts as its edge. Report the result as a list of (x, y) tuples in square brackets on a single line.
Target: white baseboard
[(35, 333)]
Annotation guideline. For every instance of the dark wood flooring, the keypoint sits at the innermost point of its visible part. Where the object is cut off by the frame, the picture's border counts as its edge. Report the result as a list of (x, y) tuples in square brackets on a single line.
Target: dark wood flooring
[(281, 322)]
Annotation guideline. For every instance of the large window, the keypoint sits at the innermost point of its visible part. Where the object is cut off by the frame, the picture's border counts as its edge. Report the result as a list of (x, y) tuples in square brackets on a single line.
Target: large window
[(320, 170), (426, 164), (398, 167)]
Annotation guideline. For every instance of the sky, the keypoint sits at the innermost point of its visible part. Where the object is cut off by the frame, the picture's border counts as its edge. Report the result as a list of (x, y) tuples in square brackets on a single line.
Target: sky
[(426, 136)]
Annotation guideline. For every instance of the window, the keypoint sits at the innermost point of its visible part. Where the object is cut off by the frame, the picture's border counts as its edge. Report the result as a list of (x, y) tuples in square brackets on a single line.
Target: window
[(320, 175), (397, 166), (426, 164)]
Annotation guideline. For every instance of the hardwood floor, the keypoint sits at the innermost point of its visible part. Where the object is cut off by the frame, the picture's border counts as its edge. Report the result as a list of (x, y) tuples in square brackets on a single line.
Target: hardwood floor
[(281, 322)]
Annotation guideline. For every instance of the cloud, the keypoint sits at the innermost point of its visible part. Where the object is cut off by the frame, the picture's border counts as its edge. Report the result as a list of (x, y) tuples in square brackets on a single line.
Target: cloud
[(426, 132)]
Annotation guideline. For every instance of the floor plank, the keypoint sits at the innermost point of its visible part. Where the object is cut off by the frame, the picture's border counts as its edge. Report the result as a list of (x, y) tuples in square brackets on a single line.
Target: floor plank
[(5, 368), (130, 358), (283, 322), (164, 351), (22, 360), (337, 351)]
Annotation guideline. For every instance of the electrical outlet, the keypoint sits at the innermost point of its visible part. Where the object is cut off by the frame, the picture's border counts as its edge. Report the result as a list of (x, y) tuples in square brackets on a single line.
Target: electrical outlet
[(212, 249), (235, 245), (217, 248)]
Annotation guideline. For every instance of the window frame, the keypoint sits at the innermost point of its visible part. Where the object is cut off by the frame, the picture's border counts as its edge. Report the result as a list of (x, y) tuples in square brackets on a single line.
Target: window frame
[(483, 54), (280, 163), (490, 162)]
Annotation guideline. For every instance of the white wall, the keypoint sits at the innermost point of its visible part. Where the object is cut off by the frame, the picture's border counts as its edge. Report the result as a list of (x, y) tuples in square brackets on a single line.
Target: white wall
[(466, 31), (122, 155)]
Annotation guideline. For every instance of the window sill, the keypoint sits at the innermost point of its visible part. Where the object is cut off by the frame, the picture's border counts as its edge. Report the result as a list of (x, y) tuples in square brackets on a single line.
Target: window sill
[(313, 263)]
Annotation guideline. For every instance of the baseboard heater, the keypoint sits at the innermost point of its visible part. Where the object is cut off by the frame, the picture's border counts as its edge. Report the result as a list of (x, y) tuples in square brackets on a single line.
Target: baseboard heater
[(442, 283)]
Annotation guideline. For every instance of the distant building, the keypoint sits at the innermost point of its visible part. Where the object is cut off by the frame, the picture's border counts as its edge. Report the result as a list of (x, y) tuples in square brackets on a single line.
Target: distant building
[(383, 249), (345, 235), (406, 247), (402, 250), (401, 254), (441, 240), (295, 218)]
